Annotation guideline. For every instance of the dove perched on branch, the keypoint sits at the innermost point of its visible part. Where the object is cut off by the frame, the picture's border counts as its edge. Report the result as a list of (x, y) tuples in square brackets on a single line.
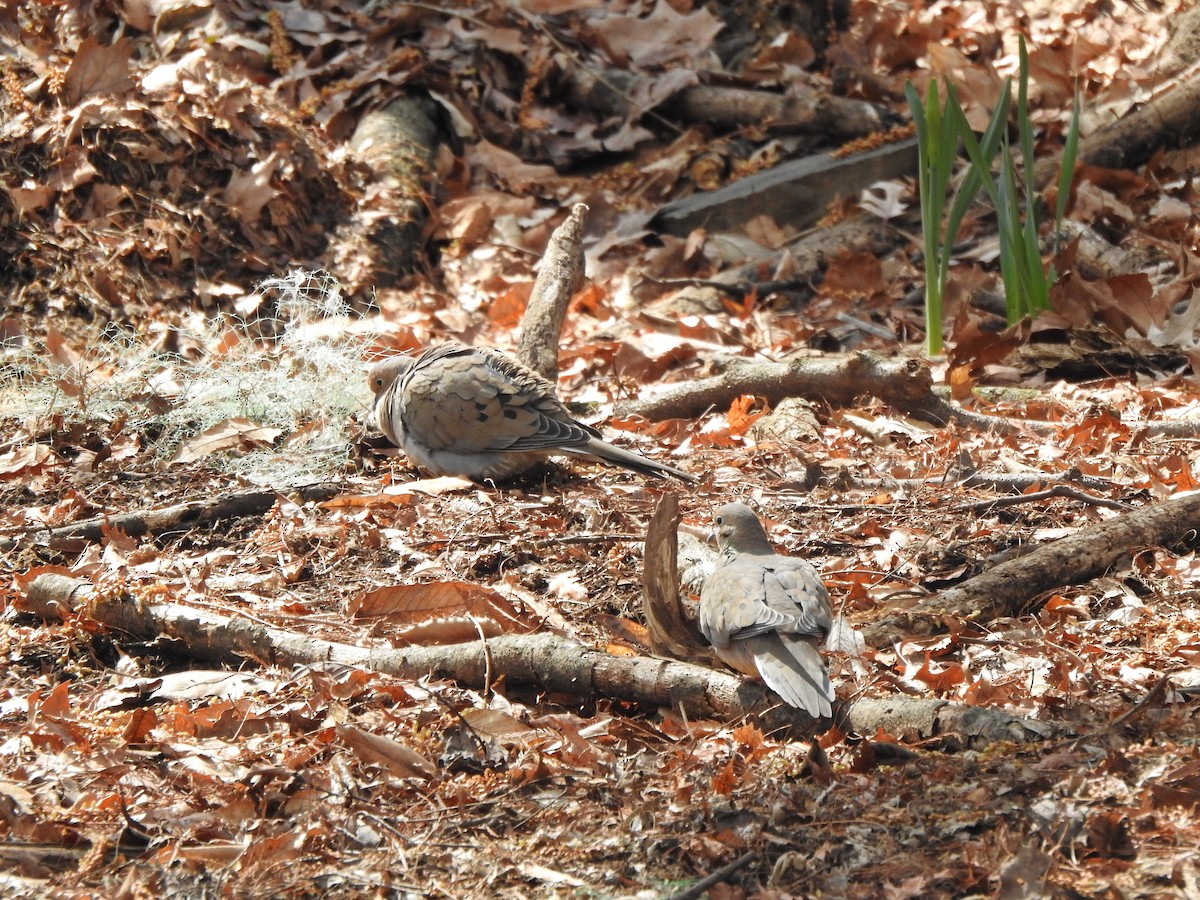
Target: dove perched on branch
[(473, 411), (766, 614)]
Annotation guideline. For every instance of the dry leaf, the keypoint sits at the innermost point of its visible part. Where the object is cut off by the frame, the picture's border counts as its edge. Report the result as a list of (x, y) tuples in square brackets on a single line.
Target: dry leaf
[(25, 461), (99, 70), (228, 435), (383, 751), (443, 611)]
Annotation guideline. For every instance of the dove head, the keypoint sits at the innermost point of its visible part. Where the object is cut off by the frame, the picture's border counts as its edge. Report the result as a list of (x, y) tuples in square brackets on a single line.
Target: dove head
[(739, 531), (381, 374)]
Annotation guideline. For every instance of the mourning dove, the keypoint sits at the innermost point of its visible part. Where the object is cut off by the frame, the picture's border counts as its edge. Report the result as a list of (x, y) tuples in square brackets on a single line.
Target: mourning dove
[(765, 614), (459, 410)]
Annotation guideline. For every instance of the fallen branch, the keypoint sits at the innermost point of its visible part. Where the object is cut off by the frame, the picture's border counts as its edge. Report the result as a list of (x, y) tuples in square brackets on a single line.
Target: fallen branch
[(1006, 589), (625, 95), (181, 517), (957, 724), (905, 384), (544, 662), (398, 144), (1017, 482), (1058, 490)]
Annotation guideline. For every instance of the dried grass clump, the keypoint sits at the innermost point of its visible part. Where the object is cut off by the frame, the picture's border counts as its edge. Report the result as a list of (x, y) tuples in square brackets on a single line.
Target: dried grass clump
[(288, 358)]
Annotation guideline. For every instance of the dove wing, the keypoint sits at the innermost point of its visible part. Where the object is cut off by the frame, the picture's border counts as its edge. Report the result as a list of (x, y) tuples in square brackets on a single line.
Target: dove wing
[(474, 400)]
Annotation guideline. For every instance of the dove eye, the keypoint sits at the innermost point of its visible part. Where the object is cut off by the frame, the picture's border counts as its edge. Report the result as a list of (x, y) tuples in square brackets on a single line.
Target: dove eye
[(720, 520)]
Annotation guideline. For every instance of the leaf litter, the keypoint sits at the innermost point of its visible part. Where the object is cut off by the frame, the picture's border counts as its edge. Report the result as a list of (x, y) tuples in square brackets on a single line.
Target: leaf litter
[(144, 364)]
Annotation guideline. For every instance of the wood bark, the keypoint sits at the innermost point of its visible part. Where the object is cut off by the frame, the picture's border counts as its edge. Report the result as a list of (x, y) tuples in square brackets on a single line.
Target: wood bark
[(559, 278), (398, 144), (180, 517), (1010, 587), (544, 662), (795, 193)]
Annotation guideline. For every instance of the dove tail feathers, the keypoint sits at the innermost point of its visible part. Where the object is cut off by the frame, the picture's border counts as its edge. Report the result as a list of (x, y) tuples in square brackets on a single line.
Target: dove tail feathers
[(629, 460), (792, 668)]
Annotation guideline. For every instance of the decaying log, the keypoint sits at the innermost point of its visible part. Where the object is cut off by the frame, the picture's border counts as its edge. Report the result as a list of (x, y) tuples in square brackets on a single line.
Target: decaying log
[(543, 662), (398, 143), (1167, 120)]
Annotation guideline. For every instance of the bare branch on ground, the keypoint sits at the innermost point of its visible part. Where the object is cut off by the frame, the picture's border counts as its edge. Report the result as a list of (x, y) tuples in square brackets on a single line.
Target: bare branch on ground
[(180, 517), (905, 384), (545, 662), (1009, 587)]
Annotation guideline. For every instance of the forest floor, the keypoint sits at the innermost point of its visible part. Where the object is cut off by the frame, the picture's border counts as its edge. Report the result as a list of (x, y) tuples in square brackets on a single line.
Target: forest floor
[(175, 182)]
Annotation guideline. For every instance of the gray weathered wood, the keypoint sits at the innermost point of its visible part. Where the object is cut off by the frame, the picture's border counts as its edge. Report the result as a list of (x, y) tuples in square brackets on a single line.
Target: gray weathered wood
[(795, 193)]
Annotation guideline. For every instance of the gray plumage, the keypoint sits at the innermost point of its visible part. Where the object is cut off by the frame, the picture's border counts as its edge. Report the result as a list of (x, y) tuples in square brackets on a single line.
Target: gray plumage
[(766, 614), (472, 411)]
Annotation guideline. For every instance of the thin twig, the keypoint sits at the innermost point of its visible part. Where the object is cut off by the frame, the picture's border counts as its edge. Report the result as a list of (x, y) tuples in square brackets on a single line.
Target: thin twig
[(694, 892), (1059, 490), (539, 542), (1152, 695), (487, 657)]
